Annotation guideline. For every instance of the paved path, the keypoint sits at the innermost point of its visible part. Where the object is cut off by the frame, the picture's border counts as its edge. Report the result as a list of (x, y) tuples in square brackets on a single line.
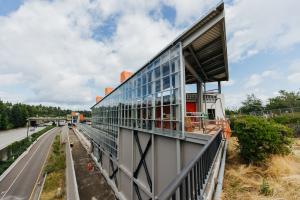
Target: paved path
[(20, 182), (10, 136)]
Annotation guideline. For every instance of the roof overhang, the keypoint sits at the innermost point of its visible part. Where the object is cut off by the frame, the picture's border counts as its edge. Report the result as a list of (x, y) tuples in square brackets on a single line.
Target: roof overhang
[(205, 49)]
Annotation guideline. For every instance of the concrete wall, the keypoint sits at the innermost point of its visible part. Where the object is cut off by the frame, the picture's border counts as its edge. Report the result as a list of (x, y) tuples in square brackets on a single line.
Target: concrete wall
[(165, 159)]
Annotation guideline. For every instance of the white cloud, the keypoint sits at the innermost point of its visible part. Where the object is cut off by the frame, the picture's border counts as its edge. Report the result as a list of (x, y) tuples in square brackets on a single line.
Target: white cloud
[(189, 10), (10, 79), (256, 79), (255, 26), (51, 44), (294, 72)]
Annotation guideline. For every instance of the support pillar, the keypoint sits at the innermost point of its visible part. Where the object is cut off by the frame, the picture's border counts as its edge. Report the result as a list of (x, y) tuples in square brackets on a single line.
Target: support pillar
[(199, 96), (219, 87)]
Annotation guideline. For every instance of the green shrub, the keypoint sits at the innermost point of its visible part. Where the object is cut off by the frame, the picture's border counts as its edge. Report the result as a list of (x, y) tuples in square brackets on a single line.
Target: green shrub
[(56, 160), (290, 120), (259, 138), (265, 188)]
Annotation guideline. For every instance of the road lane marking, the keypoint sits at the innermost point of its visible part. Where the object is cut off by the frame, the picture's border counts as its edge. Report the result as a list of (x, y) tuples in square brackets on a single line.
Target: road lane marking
[(35, 184), (22, 169)]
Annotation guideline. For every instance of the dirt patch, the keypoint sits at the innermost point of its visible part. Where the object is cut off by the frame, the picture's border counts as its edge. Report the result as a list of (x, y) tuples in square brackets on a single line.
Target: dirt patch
[(278, 179), (91, 183)]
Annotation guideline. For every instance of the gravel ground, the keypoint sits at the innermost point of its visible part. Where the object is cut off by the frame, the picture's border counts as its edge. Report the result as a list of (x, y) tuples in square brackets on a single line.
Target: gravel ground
[(91, 184)]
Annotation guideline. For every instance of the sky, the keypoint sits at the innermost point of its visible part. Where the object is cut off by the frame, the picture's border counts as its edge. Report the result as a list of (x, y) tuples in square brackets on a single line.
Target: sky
[(65, 52)]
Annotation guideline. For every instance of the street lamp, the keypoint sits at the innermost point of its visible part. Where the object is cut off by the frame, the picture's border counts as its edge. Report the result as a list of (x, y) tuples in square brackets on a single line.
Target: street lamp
[(27, 127)]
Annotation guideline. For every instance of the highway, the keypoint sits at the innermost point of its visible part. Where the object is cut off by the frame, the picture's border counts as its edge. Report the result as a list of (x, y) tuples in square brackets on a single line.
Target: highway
[(10, 136), (20, 182)]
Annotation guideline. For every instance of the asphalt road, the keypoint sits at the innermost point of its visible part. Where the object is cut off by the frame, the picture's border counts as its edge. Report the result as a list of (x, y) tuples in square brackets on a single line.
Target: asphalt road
[(21, 181)]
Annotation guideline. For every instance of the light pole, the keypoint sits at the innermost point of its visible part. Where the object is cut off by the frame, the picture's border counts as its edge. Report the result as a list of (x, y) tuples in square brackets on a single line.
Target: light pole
[(28, 121)]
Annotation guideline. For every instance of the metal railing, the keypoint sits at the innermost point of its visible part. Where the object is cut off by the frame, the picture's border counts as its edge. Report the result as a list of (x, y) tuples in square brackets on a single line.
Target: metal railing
[(106, 141), (191, 182), (198, 122), (276, 112)]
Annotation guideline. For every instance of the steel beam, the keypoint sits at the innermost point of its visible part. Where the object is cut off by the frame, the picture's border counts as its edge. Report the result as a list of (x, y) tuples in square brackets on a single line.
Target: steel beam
[(197, 61), (193, 71)]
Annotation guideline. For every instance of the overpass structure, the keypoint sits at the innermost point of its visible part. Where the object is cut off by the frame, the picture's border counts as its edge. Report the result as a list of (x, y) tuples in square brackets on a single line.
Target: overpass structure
[(154, 140)]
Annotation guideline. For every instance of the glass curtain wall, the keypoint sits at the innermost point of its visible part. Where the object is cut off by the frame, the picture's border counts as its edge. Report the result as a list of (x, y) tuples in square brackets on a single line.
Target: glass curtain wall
[(150, 100)]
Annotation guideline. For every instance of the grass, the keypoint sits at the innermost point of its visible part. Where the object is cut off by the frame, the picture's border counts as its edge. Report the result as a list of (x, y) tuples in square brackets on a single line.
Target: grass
[(55, 169), (18, 147), (279, 178)]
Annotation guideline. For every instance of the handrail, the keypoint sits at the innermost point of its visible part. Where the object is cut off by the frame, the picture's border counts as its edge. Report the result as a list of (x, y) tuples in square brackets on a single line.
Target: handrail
[(191, 175)]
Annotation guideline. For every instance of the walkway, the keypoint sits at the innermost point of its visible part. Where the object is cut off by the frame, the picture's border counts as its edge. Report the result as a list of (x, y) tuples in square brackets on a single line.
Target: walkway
[(91, 184)]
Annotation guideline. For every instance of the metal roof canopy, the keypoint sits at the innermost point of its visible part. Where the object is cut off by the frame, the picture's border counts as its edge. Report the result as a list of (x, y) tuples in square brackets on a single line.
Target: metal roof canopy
[(207, 39), (204, 49)]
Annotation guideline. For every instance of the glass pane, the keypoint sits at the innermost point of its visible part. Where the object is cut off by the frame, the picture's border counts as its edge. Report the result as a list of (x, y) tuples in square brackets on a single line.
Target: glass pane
[(166, 125), (165, 69), (149, 113), (157, 73), (166, 82), (144, 113), (158, 113), (139, 92), (144, 79), (149, 76), (175, 97), (158, 99), (157, 86), (149, 125), (144, 90), (166, 98), (166, 112), (150, 88), (174, 112), (157, 124), (150, 99)]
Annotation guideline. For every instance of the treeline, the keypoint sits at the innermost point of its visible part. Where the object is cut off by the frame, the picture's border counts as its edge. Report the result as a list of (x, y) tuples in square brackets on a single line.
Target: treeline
[(285, 99), (15, 115)]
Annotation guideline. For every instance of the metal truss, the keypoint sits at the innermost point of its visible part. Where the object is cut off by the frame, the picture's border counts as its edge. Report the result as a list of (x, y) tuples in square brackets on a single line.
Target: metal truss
[(142, 162)]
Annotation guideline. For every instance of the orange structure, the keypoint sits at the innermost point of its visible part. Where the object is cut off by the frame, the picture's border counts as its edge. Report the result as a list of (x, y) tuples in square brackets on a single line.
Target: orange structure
[(108, 90), (125, 75), (81, 117), (73, 113), (98, 98)]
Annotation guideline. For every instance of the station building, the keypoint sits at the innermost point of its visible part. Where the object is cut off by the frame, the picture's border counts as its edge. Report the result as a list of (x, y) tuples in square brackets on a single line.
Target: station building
[(151, 121)]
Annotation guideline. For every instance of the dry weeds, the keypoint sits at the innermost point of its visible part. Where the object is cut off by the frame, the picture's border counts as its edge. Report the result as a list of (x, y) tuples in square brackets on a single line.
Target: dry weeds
[(282, 173)]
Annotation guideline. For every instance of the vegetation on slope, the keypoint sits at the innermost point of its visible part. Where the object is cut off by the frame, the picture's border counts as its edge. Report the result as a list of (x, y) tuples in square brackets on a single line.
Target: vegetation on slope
[(277, 178)]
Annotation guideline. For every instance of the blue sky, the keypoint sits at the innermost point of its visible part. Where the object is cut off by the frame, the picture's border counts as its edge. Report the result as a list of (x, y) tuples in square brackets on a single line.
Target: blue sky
[(65, 52)]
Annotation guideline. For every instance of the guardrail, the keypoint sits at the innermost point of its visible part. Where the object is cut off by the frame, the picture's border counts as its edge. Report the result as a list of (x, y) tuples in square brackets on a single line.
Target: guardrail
[(191, 182), (198, 122)]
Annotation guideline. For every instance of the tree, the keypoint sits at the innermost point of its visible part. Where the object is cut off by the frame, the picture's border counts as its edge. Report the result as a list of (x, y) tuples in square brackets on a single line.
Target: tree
[(251, 104), (284, 100), (3, 116)]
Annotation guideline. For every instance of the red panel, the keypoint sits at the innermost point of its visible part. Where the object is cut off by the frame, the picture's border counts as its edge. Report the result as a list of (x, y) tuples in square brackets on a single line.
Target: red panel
[(191, 107)]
